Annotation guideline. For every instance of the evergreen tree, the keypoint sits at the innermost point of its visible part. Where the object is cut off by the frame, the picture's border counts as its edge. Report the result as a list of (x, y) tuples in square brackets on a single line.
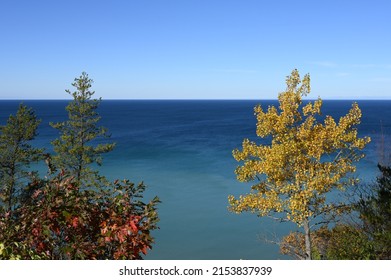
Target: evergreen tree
[(375, 213), (16, 154), (59, 217), (75, 150)]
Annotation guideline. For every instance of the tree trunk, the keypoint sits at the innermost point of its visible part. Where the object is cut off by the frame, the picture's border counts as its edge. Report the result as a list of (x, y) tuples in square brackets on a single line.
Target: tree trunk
[(11, 188), (307, 235)]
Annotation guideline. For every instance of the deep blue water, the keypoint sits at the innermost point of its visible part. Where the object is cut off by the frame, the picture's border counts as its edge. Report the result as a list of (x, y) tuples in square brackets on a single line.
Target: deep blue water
[(182, 150)]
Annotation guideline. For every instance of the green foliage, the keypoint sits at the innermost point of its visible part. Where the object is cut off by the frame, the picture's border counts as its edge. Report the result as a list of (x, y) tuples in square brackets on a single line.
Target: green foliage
[(75, 148), (375, 214), (346, 242), (342, 242), (16, 154), (10, 252), (61, 216)]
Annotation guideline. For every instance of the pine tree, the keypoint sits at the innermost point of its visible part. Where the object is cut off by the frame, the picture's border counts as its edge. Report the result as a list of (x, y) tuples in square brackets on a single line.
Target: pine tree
[(60, 216), (75, 149), (16, 154), (375, 214)]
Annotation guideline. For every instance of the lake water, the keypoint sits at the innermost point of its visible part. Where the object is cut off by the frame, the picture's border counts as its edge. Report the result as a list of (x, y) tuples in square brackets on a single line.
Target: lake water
[(182, 150)]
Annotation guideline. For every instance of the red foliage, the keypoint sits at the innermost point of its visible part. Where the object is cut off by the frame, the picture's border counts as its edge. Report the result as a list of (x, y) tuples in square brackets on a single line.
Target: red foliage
[(62, 221)]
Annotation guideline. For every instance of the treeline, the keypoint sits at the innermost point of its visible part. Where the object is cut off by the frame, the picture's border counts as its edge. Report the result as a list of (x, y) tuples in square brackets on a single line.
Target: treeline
[(73, 212)]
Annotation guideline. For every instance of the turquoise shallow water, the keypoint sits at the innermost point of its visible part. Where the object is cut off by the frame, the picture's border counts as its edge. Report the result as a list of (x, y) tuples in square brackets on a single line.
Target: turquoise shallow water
[(182, 150)]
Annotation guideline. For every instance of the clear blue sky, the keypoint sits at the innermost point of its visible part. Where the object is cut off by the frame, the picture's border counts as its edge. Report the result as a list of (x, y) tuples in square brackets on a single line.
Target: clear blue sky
[(190, 49)]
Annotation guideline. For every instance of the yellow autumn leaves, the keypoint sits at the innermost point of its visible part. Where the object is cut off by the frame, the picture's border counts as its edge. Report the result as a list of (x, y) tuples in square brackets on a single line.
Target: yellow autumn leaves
[(305, 159)]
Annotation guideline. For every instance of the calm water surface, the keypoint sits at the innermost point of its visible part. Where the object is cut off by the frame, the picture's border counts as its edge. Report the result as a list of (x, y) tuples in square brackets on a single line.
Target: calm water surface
[(182, 150)]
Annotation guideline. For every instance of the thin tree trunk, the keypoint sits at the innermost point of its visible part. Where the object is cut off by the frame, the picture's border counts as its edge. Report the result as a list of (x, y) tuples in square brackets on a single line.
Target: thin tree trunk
[(13, 172), (307, 235), (11, 188)]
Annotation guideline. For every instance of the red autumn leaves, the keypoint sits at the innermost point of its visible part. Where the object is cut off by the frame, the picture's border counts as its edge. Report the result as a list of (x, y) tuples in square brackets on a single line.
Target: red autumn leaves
[(62, 221)]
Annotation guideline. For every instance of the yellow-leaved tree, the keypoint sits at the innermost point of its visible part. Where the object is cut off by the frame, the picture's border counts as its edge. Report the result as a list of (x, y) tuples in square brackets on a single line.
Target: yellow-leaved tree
[(307, 157)]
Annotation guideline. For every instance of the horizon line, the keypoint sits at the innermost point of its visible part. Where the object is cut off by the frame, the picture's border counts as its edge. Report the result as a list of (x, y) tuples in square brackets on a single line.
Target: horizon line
[(192, 99)]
